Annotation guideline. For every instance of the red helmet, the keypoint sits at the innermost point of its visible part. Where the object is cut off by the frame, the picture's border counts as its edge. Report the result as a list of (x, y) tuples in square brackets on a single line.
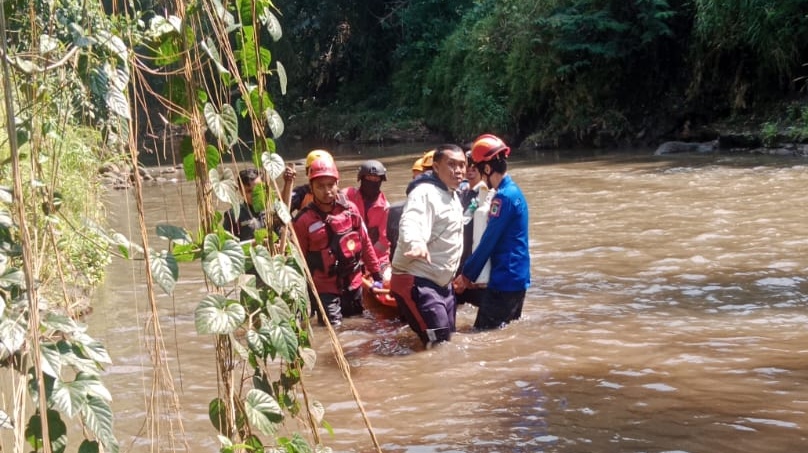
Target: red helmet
[(487, 146), (323, 167)]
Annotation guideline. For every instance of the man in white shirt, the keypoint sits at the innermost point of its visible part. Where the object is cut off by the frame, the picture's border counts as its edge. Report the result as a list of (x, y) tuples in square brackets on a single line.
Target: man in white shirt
[(429, 247)]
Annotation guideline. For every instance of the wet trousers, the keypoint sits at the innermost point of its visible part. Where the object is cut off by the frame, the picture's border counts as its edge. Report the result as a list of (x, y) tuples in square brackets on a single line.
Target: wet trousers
[(337, 306), (498, 308), (428, 308)]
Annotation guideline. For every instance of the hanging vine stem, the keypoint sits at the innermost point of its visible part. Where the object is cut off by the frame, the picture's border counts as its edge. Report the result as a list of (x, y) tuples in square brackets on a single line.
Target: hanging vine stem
[(277, 330), (195, 125), (30, 279), (162, 377), (161, 372), (339, 354)]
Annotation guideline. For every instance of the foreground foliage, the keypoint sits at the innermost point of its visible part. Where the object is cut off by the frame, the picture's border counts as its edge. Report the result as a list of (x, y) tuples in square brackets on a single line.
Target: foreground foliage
[(49, 258), (207, 65)]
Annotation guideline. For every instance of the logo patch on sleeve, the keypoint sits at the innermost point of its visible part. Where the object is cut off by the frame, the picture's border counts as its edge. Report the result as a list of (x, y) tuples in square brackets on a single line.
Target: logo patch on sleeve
[(496, 206)]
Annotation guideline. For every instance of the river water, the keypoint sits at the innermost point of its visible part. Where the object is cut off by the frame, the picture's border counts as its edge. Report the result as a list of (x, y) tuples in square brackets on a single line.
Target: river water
[(668, 313)]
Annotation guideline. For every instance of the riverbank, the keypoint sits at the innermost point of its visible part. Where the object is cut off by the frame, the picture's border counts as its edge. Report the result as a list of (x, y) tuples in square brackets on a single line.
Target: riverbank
[(779, 129)]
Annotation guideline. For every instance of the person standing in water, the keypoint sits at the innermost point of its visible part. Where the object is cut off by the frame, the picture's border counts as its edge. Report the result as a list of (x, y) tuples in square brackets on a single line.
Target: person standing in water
[(335, 244), (249, 219), (504, 242), (301, 195), (373, 207), (476, 200), (429, 246)]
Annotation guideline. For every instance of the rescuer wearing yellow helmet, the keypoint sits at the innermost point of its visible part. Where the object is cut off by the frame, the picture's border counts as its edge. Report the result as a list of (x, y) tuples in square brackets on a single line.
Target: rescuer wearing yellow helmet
[(301, 195)]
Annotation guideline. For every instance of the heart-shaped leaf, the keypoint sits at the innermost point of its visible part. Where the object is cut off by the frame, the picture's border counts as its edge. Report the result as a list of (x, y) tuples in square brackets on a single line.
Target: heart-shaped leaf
[(271, 23), (117, 103), (317, 411), (12, 337), (173, 233), (89, 446), (309, 357), (6, 422), (164, 270), (222, 262), (262, 411), (218, 315), (282, 80), (223, 125), (160, 26), (273, 164), (257, 342), (61, 323), (209, 46), (57, 431), (217, 411), (284, 340), (68, 397), (51, 359), (91, 348), (97, 416), (212, 158), (274, 121), (47, 44), (263, 263), (283, 212), (279, 311), (225, 188)]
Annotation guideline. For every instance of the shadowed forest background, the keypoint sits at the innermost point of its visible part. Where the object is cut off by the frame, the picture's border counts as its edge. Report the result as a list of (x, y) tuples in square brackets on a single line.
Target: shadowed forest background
[(555, 73)]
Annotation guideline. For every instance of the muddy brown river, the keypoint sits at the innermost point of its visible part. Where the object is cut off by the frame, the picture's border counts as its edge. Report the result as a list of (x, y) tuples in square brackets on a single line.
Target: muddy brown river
[(668, 313)]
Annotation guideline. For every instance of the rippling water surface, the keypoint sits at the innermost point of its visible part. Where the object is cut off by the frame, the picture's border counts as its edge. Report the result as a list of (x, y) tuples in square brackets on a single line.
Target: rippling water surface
[(667, 314)]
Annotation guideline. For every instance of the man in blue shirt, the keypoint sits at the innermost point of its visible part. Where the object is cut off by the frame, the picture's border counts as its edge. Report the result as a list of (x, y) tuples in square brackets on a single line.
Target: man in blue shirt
[(505, 240)]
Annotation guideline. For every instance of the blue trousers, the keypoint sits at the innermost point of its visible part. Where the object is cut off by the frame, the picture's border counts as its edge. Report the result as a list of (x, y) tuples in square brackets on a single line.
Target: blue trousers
[(428, 308)]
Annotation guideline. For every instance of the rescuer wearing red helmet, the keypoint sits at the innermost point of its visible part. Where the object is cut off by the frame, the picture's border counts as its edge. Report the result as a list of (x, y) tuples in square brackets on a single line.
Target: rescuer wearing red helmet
[(429, 245), (301, 195), (504, 241), (335, 243)]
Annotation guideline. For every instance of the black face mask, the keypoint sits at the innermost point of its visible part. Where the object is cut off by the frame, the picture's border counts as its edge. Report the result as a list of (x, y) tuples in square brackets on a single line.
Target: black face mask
[(370, 189)]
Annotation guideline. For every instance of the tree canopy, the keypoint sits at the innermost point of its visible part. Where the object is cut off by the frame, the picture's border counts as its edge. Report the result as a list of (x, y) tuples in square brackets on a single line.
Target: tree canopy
[(588, 70)]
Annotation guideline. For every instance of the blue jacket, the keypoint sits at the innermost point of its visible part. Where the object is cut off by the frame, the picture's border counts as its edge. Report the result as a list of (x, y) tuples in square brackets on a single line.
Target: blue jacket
[(505, 241)]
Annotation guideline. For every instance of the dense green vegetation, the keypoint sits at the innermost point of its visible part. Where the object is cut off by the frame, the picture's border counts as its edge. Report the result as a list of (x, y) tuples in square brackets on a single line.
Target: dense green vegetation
[(555, 72), (80, 79)]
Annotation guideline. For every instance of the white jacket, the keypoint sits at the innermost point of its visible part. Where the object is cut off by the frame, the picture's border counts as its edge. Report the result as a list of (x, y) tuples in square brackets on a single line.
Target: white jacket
[(432, 216)]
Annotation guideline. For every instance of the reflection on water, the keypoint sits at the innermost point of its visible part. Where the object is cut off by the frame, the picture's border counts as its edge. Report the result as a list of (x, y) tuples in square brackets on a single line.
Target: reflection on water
[(667, 313)]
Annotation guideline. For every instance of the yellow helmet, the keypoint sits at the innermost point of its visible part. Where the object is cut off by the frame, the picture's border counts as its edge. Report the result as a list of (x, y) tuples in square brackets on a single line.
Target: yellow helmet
[(317, 154), (427, 160), (418, 165)]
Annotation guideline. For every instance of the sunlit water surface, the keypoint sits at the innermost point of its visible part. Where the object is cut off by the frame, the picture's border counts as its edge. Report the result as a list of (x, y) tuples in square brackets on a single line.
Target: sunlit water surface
[(667, 314)]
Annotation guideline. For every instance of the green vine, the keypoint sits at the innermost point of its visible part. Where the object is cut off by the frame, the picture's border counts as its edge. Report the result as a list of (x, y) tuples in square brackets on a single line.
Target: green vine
[(206, 65), (257, 309)]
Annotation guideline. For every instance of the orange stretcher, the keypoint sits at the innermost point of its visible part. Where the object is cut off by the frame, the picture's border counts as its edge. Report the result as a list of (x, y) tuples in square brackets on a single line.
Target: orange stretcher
[(377, 297)]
